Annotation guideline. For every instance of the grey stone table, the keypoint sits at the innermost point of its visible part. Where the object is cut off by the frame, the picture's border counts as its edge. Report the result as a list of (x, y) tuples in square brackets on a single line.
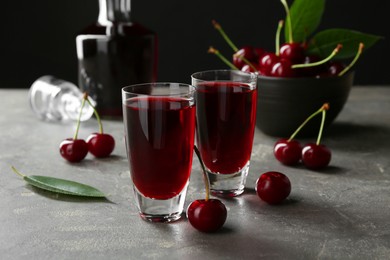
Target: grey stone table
[(342, 212)]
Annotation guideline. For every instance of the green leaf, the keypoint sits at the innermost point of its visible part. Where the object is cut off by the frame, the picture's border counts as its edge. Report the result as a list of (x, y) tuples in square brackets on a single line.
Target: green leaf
[(325, 41), (61, 186), (305, 16)]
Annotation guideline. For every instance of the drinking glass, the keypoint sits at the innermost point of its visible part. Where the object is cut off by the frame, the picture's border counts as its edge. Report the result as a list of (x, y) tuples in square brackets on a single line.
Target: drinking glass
[(159, 120), (225, 117)]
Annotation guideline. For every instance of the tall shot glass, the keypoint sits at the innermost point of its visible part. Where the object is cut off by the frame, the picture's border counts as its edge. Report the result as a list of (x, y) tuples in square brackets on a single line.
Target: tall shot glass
[(226, 118), (159, 120)]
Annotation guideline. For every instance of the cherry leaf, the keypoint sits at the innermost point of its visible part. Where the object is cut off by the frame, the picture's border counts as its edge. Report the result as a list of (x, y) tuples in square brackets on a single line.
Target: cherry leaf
[(324, 42), (62, 186), (305, 16)]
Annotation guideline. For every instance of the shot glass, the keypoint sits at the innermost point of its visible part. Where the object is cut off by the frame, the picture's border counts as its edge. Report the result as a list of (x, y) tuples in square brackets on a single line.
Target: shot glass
[(226, 119), (56, 100), (159, 120)]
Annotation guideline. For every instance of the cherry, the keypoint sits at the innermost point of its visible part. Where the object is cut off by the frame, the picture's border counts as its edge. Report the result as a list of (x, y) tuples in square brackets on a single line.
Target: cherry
[(273, 187), (247, 68), (335, 67), (246, 53), (316, 156), (99, 144), (312, 71), (267, 62), (73, 150), (283, 68), (288, 151), (292, 51), (206, 215)]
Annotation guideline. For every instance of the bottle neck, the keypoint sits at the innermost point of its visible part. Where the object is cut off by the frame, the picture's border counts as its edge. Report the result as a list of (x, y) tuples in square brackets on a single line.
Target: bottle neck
[(114, 11)]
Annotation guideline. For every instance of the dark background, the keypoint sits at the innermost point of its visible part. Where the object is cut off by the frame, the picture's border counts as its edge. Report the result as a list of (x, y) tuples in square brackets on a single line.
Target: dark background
[(38, 37)]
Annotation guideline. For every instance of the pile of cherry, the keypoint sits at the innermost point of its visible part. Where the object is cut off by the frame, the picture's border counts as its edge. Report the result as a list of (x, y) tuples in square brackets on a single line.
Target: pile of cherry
[(288, 61)]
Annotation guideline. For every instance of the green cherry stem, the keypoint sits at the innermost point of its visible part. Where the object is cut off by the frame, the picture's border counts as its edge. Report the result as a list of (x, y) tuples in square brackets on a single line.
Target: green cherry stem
[(219, 55), (79, 119), (305, 65), (95, 112), (224, 35), (277, 38), (288, 20), (323, 107), (17, 172), (231, 44), (205, 177), (359, 52)]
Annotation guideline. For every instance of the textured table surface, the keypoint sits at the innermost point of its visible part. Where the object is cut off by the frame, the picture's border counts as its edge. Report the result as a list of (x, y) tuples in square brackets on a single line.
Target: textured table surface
[(342, 212)]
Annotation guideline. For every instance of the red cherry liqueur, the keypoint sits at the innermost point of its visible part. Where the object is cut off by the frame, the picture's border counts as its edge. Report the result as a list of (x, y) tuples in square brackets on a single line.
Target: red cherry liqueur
[(112, 53)]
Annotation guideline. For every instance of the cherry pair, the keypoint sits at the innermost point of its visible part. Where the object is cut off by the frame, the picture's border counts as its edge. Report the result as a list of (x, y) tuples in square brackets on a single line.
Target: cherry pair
[(99, 144), (313, 155)]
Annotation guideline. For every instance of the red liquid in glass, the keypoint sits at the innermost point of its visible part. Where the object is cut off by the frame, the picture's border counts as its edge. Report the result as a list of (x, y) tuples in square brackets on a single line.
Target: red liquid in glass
[(160, 141), (226, 117)]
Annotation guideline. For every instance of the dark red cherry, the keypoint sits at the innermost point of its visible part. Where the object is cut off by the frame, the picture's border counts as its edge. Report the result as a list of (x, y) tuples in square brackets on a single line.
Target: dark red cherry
[(207, 215), (294, 52), (314, 70), (100, 145), (259, 53), (288, 152), (248, 52), (283, 69), (335, 67), (316, 156), (73, 150), (266, 62), (273, 187)]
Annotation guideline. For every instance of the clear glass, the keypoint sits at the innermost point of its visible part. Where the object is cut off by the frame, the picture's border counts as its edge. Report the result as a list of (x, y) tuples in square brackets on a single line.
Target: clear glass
[(226, 117), (57, 100), (159, 120)]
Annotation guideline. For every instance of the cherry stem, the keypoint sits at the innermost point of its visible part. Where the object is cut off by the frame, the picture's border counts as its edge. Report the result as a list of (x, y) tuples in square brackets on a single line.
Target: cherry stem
[(95, 112), (79, 119), (323, 107), (305, 65), (231, 44), (322, 125), (359, 52), (288, 19), (219, 55), (17, 172), (224, 35), (277, 38), (205, 176)]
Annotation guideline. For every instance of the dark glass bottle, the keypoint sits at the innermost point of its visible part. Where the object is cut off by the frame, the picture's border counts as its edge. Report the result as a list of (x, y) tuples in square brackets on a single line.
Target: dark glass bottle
[(112, 53)]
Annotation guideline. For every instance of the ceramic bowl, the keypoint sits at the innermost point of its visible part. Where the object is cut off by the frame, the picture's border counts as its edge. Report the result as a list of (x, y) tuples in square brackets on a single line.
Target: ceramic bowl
[(284, 103)]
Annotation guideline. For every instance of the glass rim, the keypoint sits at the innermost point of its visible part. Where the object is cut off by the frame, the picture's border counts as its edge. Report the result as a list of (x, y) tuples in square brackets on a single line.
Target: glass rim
[(252, 75), (190, 91)]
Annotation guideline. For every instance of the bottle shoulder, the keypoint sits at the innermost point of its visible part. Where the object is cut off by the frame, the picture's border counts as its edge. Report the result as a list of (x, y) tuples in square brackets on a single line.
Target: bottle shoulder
[(132, 28)]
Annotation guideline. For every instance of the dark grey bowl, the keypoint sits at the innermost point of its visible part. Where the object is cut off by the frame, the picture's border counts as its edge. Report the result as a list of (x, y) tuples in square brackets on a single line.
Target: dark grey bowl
[(284, 103)]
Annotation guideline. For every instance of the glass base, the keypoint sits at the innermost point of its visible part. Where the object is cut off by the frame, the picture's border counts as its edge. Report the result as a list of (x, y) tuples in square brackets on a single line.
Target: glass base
[(155, 210), (228, 185)]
